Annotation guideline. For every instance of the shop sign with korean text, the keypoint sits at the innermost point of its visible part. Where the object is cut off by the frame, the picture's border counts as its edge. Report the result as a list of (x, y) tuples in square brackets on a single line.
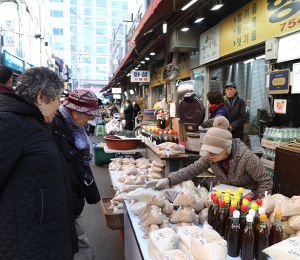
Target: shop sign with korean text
[(210, 45), (156, 78), (279, 81), (140, 76), (13, 61), (8, 40), (258, 21)]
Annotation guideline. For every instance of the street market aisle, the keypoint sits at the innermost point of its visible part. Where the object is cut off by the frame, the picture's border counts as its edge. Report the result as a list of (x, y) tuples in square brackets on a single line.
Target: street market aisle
[(107, 243)]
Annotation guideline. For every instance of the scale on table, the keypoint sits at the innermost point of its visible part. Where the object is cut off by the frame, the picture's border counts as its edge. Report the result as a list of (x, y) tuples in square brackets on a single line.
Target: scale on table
[(191, 111)]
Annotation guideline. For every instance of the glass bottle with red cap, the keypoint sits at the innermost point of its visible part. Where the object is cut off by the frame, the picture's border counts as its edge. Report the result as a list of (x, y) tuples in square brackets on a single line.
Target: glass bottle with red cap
[(214, 212), (244, 210), (248, 197), (248, 239), (235, 236), (232, 208), (262, 239), (276, 231), (176, 137), (259, 203), (211, 203), (221, 219)]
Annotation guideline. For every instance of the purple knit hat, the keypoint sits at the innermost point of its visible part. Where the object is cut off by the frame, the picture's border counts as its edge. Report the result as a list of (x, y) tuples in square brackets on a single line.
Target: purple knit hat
[(83, 101)]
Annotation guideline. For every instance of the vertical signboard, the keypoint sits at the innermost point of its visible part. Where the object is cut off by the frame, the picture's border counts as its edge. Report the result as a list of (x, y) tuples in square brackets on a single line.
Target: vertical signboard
[(210, 45)]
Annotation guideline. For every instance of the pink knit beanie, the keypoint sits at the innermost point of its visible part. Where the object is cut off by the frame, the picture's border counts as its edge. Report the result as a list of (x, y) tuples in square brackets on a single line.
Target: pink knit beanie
[(218, 137)]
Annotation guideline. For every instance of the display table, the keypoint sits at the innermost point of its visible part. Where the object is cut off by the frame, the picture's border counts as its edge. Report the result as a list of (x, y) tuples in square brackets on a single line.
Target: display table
[(172, 163), (114, 175), (137, 150), (135, 246)]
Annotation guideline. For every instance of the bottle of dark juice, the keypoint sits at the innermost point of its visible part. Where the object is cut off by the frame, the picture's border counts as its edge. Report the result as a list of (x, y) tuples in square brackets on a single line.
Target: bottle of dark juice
[(214, 212), (248, 239), (211, 204), (262, 239), (227, 205), (229, 221), (221, 219), (276, 232), (244, 209), (234, 236)]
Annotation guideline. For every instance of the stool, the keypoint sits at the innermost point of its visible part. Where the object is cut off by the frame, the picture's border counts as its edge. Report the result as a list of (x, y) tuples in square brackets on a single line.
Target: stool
[(100, 130)]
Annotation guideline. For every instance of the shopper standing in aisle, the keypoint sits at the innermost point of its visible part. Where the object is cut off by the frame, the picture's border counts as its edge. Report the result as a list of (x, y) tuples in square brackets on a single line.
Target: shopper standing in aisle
[(74, 144), (236, 107), (230, 160), (128, 115), (36, 198), (6, 79), (216, 108)]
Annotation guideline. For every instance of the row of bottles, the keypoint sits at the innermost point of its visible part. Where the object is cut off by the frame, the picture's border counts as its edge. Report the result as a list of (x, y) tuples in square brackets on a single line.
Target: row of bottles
[(244, 229), (269, 154), (281, 135), (157, 136)]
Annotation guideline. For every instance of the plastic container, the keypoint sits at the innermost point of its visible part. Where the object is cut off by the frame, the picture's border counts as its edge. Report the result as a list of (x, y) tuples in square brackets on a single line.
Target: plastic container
[(100, 156)]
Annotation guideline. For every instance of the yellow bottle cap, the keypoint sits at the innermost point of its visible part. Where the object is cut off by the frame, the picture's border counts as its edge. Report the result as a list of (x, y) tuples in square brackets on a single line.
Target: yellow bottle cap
[(236, 193), (233, 203), (245, 202), (227, 199), (254, 206), (228, 191), (241, 190), (219, 193), (237, 198), (227, 195)]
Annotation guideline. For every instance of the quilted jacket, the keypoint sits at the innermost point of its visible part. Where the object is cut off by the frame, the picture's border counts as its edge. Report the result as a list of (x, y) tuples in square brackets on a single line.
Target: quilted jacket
[(66, 144), (36, 204), (246, 171)]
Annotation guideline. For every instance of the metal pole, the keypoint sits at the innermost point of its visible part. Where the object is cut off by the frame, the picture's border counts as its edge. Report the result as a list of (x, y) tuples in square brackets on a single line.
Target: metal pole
[(78, 68), (1, 40)]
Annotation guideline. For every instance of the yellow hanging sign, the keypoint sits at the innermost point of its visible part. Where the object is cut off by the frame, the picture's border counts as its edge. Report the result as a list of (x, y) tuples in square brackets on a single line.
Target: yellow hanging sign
[(258, 21), (156, 78)]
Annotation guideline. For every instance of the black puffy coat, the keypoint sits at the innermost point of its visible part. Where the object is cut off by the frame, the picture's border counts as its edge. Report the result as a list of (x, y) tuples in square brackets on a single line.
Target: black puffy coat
[(128, 114), (237, 110), (36, 204), (66, 144)]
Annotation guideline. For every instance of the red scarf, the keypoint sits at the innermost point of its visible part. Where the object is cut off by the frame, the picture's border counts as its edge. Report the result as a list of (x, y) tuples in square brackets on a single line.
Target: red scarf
[(213, 107)]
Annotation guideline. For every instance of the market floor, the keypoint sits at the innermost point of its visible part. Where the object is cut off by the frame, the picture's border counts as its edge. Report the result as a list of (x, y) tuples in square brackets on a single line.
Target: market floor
[(107, 243)]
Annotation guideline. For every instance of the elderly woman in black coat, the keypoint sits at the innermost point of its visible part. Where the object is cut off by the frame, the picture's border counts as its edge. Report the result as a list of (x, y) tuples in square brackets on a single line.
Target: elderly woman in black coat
[(74, 144), (36, 204)]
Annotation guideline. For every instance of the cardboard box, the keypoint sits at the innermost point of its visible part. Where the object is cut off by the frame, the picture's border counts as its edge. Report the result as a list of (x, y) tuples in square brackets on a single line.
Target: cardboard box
[(180, 129)]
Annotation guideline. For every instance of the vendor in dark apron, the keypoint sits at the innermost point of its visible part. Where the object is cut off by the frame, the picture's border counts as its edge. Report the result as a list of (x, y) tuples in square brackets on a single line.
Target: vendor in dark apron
[(128, 112)]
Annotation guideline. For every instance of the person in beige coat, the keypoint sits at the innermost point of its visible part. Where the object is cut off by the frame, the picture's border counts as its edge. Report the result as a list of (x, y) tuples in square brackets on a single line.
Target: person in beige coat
[(230, 160)]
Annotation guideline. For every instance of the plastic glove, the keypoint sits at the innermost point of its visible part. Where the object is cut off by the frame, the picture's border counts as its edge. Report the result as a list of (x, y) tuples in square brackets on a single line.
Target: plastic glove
[(151, 184), (160, 184)]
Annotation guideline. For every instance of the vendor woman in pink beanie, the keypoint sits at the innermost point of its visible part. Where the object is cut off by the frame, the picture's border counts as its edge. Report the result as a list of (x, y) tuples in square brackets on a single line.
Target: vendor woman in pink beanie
[(230, 160)]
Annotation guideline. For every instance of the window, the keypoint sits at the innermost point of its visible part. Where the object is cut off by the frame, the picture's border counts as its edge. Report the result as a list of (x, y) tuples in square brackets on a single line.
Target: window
[(88, 20), (100, 60), (87, 69), (87, 77), (73, 29), (88, 30), (125, 6), (73, 10), (101, 12), (115, 22), (73, 2), (73, 59), (74, 38), (88, 48), (101, 77), (101, 22), (58, 46), (87, 60), (101, 69), (56, 13), (73, 47), (88, 39), (88, 2), (73, 67), (55, 0), (58, 31), (73, 19), (88, 11), (102, 3), (116, 13), (102, 40), (117, 5), (102, 31), (102, 49)]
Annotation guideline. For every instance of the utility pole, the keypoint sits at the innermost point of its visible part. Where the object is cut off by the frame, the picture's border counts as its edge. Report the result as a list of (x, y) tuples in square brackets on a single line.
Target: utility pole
[(77, 54), (1, 54)]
